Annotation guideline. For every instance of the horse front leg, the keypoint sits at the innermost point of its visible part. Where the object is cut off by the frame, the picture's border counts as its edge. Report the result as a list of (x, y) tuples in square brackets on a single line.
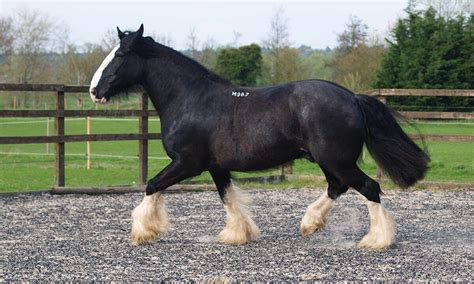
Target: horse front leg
[(150, 217), (239, 228)]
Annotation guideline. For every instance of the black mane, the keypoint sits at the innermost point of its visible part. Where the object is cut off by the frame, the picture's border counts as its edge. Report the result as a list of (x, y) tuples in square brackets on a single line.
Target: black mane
[(149, 48)]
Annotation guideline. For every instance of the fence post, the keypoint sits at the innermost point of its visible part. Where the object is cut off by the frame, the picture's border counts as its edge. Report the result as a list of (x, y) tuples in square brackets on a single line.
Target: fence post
[(379, 173), (286, 169), (143, 143), (88, 143), (59, 161), (48, 133)]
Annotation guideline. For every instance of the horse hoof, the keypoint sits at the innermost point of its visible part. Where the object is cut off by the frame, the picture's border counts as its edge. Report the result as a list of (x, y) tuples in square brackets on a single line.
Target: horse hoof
[(150, 220), (371, 241), (381, 234), (374, 245), (375, 241), (248, 233), (306, 231), (316, 215), (140, 237), (310, 225)]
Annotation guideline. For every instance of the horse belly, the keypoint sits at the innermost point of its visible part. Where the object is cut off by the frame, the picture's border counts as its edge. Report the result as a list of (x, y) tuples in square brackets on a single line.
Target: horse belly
[(255, 151)]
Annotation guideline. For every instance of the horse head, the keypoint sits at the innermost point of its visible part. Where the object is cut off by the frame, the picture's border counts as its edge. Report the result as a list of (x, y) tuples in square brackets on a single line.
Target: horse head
[(121, 69)]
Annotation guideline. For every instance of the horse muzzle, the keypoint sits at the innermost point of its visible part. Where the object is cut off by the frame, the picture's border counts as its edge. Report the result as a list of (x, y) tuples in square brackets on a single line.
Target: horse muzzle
[(95, 99)]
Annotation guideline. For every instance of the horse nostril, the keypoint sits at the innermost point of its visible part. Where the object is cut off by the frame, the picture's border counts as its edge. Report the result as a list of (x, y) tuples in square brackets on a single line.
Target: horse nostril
[(93, 91)]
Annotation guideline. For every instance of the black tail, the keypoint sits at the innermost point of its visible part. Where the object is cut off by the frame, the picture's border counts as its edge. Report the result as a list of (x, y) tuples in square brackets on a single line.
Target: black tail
[(392, 149)]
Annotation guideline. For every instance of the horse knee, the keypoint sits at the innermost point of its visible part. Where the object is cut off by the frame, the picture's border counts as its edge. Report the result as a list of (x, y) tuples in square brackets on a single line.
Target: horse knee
[(335, 191), (371, 190)]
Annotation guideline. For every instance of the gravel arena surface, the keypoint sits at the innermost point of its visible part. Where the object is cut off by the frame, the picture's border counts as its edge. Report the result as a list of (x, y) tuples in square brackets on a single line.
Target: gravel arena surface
[(85, 237)]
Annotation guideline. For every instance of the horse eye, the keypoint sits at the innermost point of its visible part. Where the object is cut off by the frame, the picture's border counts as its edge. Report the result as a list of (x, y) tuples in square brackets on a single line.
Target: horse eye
[(119, 53)]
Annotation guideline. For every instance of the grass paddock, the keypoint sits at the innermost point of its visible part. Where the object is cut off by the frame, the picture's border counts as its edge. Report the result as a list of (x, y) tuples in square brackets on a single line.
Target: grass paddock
[(25, 167)]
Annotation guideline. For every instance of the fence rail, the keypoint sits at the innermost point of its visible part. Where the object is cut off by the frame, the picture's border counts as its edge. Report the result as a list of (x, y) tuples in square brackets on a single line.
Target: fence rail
[(60, 113), (77, 113), (420, 92)]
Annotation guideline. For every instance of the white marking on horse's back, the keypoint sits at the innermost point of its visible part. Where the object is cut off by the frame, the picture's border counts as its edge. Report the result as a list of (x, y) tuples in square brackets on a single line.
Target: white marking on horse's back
[(98, 73)]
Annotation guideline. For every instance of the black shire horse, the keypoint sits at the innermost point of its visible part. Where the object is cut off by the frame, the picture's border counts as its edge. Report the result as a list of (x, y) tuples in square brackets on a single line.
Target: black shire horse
[(209, 124)]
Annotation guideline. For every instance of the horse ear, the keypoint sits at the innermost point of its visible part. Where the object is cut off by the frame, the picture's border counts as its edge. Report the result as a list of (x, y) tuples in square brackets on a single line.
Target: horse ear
[(140, 30), (120, 33)]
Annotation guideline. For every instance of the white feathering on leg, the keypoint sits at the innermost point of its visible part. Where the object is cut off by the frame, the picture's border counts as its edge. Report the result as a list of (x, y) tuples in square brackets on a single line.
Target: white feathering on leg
[(150, 219), (240, 228), (382, 228), (316, 215)]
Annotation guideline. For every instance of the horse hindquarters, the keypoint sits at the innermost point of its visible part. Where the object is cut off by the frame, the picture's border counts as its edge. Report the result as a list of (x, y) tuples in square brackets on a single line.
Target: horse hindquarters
[(336, 145)]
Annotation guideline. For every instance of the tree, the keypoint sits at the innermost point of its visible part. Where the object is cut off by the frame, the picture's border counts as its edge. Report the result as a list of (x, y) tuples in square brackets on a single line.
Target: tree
[(6, 46), (192, 42), (281, 63), (207, 55), (279, 35), (110, 40), (357, 69), (355, 62), (355, 34), (6, 36), (164, 39), (429, 51), (445, 8), (36, 37), (319, 65), (79, 64), (240, 65), (236, 37)]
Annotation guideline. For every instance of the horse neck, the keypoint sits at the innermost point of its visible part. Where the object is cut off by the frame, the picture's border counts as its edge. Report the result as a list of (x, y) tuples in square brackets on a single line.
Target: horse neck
[(170, 82)]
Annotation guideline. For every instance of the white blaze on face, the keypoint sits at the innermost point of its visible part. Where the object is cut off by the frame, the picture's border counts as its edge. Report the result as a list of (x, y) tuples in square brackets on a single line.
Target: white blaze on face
[(98, 74)]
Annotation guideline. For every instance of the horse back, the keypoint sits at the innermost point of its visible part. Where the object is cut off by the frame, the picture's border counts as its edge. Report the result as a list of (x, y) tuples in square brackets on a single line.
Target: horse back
[(265, 127)]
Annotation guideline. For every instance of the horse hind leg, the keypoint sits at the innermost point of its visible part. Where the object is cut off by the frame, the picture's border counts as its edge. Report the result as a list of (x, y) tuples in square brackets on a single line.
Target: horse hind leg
[(316, 214), (381, 234), (239, 228)]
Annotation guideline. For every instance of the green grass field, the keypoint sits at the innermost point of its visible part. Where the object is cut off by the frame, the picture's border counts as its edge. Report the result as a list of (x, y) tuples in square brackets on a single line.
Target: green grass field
[(30, 167)]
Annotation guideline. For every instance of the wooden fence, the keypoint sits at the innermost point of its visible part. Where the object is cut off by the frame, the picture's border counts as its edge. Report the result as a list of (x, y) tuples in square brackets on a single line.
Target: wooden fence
[(59, 138), (60, 113), (382, 95)]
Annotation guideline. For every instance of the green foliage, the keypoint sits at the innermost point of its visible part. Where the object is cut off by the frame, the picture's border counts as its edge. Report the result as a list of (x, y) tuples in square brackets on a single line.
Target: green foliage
[(356, 68), (283, 65), (354, 35), (240, 65), (429, 51), (355, 61), (318, 65)]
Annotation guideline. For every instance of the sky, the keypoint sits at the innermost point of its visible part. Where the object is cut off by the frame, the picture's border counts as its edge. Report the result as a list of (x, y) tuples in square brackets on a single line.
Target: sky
[(314, 23)]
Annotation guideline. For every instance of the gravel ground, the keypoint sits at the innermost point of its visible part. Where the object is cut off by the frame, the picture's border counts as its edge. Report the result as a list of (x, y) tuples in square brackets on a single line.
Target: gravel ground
[(81, 237)]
